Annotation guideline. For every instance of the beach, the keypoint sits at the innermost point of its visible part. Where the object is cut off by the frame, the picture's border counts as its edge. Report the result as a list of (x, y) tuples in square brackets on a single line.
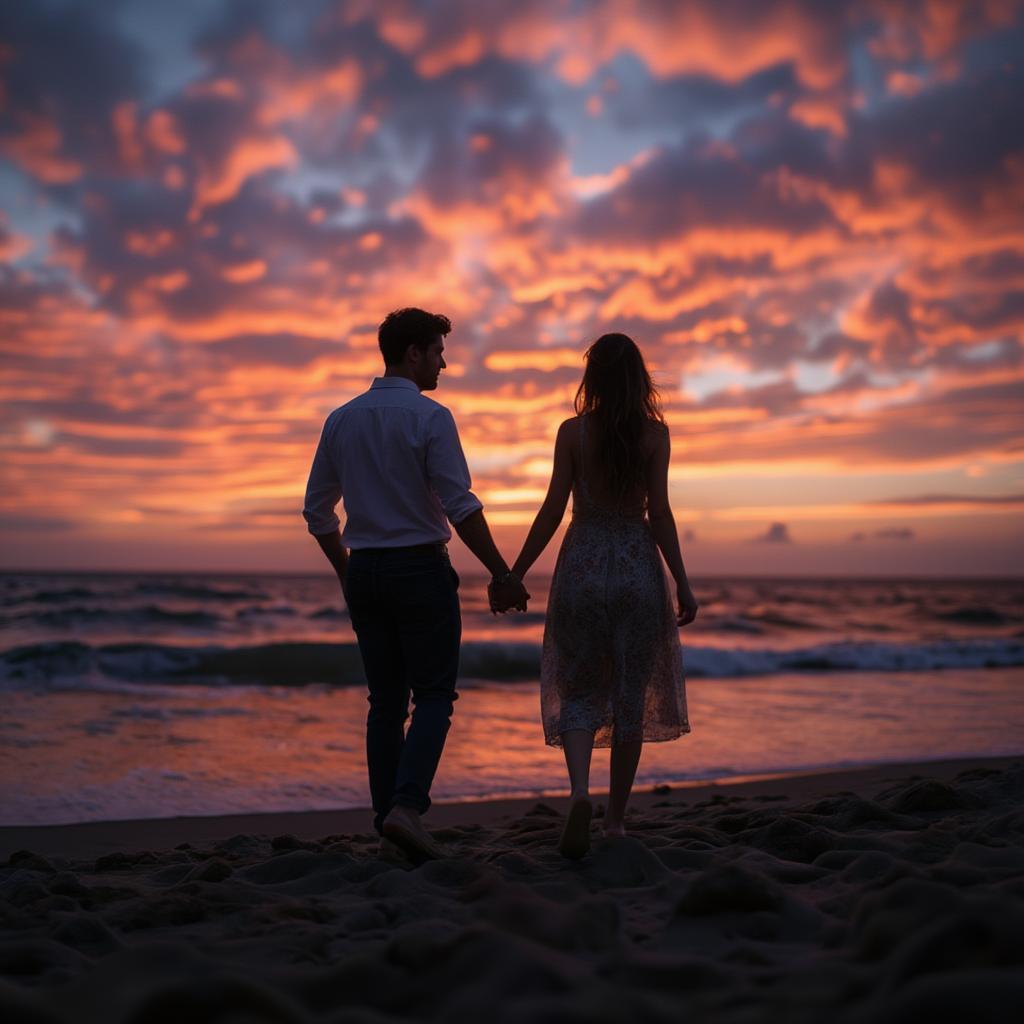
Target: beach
[(890, 893)]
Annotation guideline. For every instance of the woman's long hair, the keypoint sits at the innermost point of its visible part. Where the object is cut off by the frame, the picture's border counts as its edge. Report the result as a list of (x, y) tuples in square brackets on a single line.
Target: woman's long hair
[(618, 393)]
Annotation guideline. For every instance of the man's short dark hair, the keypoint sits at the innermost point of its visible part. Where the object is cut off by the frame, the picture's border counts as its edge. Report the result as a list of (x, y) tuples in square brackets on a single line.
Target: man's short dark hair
[(411, 326)]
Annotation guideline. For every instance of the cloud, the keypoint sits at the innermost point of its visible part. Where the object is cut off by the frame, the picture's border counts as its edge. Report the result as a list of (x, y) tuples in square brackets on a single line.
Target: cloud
[(777, 533), (954, 499), (895, 533), (50, 125), (889, 533)]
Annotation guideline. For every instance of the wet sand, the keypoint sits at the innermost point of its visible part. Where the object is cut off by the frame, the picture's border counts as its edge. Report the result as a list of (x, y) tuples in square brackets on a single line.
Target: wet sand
[(892, 893)]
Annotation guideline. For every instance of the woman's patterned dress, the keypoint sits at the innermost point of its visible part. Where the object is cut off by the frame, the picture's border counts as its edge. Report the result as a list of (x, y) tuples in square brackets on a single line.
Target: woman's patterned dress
[(612, 662)]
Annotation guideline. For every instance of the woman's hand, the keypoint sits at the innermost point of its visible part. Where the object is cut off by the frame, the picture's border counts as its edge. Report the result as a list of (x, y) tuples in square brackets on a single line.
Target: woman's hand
[(507, 595), (687, 604)]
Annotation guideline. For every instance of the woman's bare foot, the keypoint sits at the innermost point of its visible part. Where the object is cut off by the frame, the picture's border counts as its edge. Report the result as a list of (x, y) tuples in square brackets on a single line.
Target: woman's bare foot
[(575, 841), (612, 831)]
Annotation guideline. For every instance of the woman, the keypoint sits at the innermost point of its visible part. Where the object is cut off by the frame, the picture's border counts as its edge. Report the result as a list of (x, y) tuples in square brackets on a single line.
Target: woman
[(612, 671)]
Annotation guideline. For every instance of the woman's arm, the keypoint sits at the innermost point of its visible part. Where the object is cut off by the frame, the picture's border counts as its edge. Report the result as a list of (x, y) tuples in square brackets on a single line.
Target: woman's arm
[(663, 526), (550, 515)]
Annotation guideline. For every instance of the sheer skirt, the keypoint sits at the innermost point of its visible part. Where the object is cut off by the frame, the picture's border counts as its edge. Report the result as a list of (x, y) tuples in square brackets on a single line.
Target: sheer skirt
[(612, 662)]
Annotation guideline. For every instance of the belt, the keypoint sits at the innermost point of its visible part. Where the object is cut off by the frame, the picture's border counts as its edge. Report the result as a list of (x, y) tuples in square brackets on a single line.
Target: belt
[(437, 548)]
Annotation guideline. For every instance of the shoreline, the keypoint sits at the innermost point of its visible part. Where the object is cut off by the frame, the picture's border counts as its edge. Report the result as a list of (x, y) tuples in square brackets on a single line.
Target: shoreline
[(90, 839)]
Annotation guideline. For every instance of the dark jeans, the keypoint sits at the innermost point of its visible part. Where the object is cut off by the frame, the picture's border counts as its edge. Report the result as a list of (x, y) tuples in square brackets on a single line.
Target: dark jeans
[(405, 611)]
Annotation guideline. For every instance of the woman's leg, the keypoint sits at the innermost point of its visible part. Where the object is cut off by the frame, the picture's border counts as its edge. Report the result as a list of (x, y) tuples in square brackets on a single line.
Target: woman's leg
[(578, 745), (624, 761)]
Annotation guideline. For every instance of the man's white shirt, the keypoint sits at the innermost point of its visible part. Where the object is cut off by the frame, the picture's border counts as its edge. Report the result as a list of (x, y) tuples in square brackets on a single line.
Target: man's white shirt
[(393, 457)]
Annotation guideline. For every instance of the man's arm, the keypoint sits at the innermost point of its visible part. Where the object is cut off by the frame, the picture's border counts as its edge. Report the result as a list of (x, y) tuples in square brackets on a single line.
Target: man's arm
[(331, 546), (449, 477), (474, 532), (323, 492)]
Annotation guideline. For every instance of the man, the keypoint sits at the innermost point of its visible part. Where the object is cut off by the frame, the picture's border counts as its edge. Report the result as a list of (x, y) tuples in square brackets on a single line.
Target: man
[(393, 456)]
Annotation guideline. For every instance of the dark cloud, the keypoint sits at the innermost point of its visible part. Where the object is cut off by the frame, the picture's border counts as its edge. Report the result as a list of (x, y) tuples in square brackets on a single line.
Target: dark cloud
[(36, 524), (694, 102), (954, 499), (888, 316), (890, 533), (835, 344), (68, 67), (492, 159), (279, 349), (777, 533), (693, 186), (895, 533), (118, 447), (954, 136)]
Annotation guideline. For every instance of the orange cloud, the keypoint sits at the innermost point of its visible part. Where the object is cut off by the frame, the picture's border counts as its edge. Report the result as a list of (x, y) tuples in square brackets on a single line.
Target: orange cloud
[(250, 156), (126, 132), (902, 83), (37, 147), (728, 45), (240, 273), (534, 359), (149, 244), (163, 132), (217, 88), (292, 96), (12, 244)]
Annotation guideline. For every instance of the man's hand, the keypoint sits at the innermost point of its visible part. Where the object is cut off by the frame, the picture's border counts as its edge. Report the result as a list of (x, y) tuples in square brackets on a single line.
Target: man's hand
[(507, 594)]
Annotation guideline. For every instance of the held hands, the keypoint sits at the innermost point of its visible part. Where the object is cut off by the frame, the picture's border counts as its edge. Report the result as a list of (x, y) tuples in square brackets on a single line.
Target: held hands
[(687, 611), (506, 593)]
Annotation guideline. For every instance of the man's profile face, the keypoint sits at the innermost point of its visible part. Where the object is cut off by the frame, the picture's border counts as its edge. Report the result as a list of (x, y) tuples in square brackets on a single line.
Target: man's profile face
[(430, 364)]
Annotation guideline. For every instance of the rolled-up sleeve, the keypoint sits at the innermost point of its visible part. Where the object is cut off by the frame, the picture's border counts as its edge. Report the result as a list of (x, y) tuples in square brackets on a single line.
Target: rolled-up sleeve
[(447, 471), (323, 490)]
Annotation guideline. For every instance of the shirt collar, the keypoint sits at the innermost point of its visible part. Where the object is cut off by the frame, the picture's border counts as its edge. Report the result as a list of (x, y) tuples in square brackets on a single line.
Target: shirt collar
[(393, 382)]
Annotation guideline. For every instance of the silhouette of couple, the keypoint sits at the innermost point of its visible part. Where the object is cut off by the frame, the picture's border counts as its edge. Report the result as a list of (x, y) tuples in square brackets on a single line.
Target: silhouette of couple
[(611, 671)]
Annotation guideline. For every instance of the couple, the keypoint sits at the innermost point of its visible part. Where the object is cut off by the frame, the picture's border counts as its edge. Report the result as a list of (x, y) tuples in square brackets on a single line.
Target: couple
[(611, 673)]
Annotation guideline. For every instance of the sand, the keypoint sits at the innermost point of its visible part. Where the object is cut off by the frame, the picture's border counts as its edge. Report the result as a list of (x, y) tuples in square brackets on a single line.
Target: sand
[(891, 894)]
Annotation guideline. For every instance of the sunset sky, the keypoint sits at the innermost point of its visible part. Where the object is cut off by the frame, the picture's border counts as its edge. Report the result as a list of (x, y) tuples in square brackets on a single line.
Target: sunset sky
[(810, 216)]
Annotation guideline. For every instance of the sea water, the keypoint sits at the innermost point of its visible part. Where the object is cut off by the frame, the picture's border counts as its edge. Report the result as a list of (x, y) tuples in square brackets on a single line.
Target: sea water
[(128, 696)]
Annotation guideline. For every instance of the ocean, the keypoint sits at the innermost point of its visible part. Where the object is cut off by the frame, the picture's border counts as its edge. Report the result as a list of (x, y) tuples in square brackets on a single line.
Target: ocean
[(139, 695)]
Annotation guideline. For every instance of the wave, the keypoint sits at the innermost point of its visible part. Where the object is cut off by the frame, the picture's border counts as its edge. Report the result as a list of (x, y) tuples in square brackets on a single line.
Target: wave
[(975, 615), (51, 596), (123, 618), (63, 664), (198, 591), (149, 617), (855, 657)]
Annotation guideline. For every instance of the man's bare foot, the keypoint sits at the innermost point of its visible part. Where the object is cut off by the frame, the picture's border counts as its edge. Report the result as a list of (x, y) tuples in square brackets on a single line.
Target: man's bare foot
[(614, 831), (575, 839), (404, 828), (391, 852)]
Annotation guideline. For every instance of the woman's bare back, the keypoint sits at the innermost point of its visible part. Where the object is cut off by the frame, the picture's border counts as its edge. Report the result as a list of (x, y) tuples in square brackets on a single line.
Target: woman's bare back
[(589, 464)]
